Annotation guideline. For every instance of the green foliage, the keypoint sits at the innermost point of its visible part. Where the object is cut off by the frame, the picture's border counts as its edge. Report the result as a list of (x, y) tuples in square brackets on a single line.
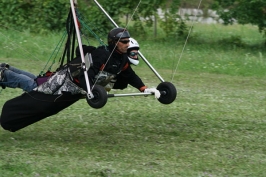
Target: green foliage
[(235, 40), (244, 11), (173, 27), (36, 15), (140, 14), (43, 16), (138, 30), (182, 29)]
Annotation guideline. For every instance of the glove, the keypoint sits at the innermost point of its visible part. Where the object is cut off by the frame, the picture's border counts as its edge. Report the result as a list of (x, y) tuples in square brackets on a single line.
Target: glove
[(154, 91)]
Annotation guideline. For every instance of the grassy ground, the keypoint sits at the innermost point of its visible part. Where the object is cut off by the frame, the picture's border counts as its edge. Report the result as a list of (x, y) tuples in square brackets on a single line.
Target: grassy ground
[(214, 128)]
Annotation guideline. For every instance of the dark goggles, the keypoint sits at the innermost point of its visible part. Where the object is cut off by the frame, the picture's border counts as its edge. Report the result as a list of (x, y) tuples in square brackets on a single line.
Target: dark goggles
[(132, 54), (124, 41)]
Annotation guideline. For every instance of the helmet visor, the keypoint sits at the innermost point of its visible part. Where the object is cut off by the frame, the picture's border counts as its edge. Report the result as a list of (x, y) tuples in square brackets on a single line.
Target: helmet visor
[(122, 34)]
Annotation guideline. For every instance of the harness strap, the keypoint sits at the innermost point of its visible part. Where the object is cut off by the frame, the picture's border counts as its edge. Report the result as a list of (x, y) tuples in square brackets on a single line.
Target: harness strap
[(102, 67)]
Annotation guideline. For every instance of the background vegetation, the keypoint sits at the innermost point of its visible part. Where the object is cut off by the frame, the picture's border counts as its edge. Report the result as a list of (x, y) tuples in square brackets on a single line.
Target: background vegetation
[(33, 15), (244, 11), (214, 128)]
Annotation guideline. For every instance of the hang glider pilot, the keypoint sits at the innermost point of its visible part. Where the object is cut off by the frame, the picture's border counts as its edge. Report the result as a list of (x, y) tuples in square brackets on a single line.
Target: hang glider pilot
[(65, 88)]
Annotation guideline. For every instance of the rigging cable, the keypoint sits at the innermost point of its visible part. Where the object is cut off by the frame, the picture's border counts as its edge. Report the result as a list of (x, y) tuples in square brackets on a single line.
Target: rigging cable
[(182, 52)]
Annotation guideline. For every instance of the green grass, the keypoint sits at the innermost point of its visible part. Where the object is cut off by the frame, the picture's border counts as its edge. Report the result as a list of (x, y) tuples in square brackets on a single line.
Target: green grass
[(214, 128), (232, 50)]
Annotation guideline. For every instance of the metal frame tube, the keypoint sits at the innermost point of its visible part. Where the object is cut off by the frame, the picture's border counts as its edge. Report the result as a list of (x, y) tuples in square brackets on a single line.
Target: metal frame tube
[(129, 94), (140, 54), (89, 93)]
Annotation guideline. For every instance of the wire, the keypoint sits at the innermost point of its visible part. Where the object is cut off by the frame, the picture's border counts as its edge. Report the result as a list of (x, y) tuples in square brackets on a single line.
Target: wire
[(183, 49)]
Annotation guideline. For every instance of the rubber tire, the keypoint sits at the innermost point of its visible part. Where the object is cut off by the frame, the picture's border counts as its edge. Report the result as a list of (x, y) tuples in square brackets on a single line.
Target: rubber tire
[(168, 92), (100, 97)]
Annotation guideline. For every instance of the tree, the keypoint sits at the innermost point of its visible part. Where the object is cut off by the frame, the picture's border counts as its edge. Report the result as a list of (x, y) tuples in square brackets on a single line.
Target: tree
[(49, 15), (244, 11), (33, 15), (144, 15)]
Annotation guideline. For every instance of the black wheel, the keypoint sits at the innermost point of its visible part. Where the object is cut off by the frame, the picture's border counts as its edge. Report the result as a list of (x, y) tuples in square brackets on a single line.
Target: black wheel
[(168, 92), (100, 97)]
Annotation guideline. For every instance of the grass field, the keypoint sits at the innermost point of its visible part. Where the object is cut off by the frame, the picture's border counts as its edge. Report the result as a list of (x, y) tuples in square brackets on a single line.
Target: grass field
[(215, 127)]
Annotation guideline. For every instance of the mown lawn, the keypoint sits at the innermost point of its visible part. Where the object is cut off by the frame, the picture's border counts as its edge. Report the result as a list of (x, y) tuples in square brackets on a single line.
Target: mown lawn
[(214, 128)]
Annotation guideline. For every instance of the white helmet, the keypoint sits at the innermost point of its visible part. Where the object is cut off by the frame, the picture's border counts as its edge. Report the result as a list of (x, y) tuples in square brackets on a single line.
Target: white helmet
[(133, 45)]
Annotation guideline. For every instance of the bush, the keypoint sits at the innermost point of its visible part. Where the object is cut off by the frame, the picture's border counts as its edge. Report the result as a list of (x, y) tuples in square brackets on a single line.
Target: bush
[(234, 40), (35, 15)]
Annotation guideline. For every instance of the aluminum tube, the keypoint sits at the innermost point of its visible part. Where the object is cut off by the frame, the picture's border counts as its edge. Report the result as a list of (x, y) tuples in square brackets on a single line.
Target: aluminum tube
[(99, 5), (129, 94), (89, 93), (150, 66)]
